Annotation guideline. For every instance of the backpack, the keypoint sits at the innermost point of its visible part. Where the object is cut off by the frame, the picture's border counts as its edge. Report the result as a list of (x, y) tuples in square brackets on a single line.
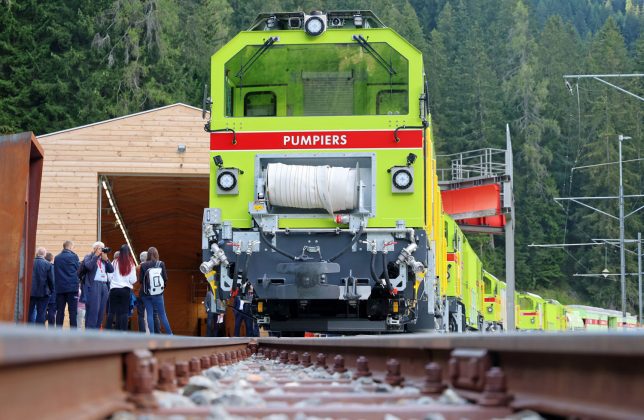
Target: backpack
[(153, 284)]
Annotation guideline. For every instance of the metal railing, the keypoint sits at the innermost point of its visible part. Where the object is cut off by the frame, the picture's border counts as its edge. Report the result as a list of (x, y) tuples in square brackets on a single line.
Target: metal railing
[(479, 163)]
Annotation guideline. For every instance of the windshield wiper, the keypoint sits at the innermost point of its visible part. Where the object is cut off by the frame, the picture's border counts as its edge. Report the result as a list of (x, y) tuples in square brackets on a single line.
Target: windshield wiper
[(244, 68), (368, 48)]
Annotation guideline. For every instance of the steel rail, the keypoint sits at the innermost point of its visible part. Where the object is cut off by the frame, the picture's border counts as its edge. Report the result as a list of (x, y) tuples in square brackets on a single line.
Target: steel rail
[(74, 374)]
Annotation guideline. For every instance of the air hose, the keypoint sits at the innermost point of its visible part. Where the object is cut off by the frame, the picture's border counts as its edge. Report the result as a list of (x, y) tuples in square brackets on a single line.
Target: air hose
[(386, 271), (274, 248), (374, 277), (355, 239), (236, 273), (245, 272)]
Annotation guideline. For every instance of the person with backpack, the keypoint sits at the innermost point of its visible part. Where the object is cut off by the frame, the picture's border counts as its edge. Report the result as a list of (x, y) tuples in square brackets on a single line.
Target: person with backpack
[(121, 283), (140, 307), (154, 278)]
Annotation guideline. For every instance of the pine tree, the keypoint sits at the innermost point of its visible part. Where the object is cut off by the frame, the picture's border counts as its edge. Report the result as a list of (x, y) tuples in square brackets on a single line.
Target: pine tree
[(536, 216)]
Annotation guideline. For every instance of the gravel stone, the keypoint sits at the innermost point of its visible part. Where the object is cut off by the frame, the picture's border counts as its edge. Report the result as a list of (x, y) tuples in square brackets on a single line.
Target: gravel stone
[(214, 373), (203, 397), (197, 383), (172, 400), (449, 396)]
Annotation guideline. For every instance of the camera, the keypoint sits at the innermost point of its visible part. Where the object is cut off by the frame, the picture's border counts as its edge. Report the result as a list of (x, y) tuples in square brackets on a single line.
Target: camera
[(107, 250)]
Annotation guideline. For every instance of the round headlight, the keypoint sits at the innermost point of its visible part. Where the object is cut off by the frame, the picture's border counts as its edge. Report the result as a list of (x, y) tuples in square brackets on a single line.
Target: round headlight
[(490, 309), (226, 181), (314, 26), (532, 320), (402, 179)]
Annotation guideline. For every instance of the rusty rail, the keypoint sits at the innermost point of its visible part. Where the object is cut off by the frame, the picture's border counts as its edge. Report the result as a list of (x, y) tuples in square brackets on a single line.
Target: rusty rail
[(92, 375)]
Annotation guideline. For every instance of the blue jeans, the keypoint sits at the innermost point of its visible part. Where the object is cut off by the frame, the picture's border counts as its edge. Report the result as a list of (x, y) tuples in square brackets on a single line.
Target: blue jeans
[(96, 293), (247, 318), (39, 306), (155, 304), (140, 314)]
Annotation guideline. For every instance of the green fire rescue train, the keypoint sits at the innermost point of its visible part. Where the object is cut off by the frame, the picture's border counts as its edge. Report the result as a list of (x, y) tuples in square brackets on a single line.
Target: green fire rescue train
[(324, 195)]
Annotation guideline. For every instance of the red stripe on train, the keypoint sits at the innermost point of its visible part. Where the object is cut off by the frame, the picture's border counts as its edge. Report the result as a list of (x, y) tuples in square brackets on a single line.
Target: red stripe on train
[(529, 313), (287, 140), (490, 299), (451, 256)]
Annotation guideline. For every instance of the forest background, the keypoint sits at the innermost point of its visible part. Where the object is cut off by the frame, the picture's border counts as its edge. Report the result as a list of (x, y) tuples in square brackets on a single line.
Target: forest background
[(489, 62)]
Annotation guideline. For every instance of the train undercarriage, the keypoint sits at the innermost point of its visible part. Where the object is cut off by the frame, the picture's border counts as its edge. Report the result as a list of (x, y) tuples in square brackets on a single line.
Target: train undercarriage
[(326, 280)]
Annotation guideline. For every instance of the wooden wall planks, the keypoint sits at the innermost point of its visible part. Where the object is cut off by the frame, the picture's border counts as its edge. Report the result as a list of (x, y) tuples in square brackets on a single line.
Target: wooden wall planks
[(144, 143)]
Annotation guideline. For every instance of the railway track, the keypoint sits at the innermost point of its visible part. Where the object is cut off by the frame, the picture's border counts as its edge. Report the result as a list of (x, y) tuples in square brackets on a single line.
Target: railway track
[(45, 374)]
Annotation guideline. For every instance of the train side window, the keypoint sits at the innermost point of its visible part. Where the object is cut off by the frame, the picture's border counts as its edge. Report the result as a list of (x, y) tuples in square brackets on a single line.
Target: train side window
[(260, 104), (526, 304), (392, 102), (488, 285), (446, 232)]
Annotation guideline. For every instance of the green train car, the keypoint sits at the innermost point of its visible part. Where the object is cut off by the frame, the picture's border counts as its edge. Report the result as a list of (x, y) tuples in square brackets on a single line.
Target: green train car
[(594, 319), (494, 302), (530, 313), (464, 284), (554, 315)]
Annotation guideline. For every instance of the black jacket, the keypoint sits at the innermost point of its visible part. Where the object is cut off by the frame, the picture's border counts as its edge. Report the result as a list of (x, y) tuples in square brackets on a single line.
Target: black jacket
[(66, 270), (42, 278)]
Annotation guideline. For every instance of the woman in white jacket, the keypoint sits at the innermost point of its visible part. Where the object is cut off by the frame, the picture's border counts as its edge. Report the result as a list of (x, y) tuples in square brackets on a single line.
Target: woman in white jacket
[(123, 279)]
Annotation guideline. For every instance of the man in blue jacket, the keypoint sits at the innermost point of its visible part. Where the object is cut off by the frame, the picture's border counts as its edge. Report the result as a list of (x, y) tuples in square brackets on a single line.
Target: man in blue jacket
[(42, 283), (96, 265), (66, 266)]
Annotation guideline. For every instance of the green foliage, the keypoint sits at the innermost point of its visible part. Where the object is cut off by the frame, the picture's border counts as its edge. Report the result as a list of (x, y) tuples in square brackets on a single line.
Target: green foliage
[(489, 62)]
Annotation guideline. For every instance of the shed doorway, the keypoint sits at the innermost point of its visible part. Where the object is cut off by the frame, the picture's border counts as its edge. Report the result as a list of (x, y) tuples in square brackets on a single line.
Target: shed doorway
[(164, 212)]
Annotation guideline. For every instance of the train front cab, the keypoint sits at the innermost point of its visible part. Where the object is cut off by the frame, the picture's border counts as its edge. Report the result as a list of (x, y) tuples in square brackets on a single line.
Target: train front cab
[(472, 287), (530, 312), (493, 302), (351, 97), (554, 314)]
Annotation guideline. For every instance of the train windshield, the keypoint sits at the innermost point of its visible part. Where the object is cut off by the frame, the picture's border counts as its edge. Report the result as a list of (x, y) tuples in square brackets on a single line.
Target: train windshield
[(317, 80)]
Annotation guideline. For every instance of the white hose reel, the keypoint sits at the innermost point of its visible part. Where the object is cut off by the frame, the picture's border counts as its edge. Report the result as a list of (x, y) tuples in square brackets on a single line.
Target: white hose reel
[(312, 187)]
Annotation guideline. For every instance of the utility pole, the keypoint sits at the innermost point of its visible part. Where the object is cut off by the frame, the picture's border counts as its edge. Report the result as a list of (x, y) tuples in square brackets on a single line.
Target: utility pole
[(639, 272), (622, 254), (508, 201)]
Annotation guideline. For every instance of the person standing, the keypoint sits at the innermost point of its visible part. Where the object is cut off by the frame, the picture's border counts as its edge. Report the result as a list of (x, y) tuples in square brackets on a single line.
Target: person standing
[(96, 265), (42, 283), (140, 307), (243, 301), (154, 279), (51, 303), (111, 317), (123, 279), (66, 267), (212, 314)]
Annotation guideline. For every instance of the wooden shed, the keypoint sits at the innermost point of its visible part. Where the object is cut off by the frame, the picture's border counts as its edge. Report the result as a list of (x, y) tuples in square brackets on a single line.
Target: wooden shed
[(150, 172)]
